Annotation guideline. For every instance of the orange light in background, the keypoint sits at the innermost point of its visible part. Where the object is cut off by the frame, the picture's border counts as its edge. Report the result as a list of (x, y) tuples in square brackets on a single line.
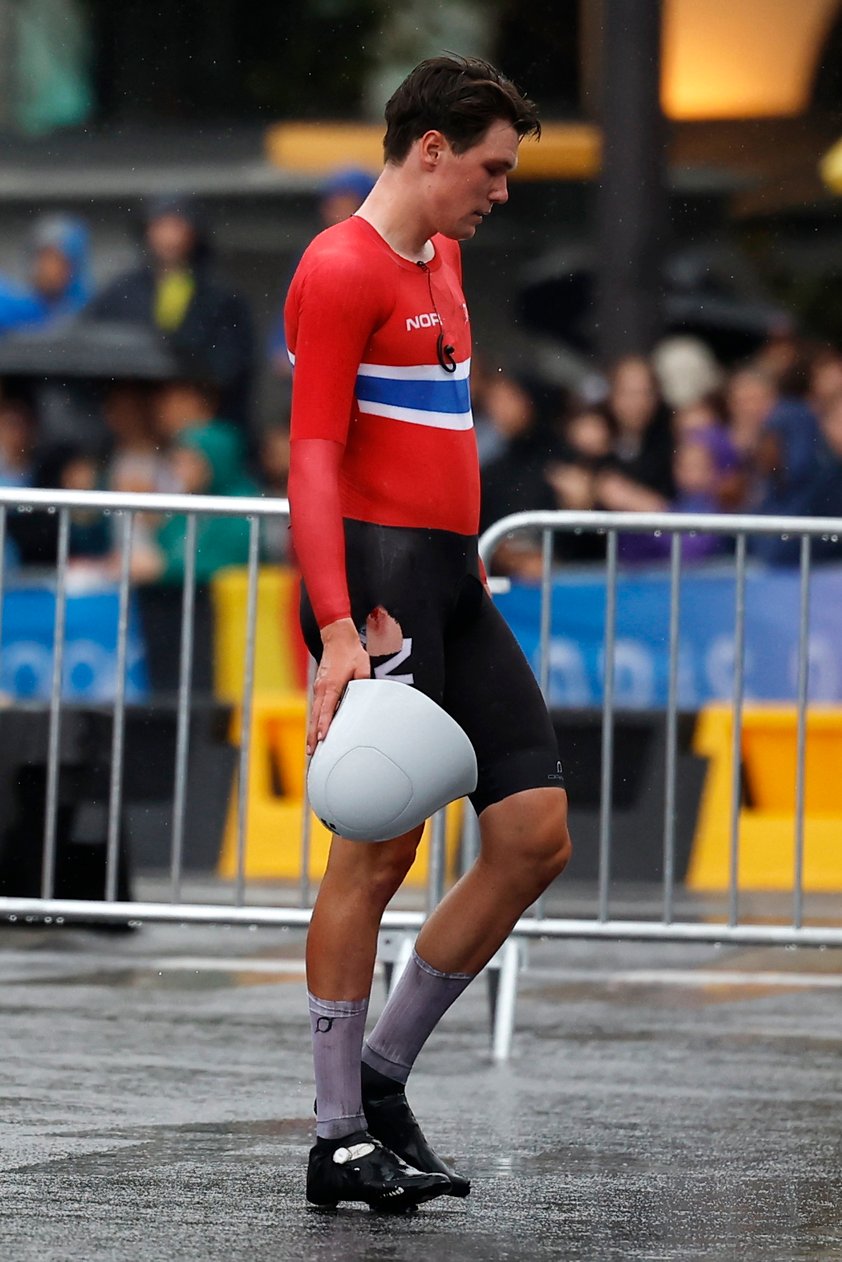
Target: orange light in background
[(830, 168), (741, 58)]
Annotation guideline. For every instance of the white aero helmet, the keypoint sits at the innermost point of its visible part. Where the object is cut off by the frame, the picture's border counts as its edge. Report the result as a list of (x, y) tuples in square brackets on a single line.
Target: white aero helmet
[(391, 758)]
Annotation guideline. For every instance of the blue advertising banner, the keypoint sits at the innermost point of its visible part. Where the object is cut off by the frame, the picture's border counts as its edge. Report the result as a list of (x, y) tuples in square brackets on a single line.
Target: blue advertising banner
[(706, 638), (90, 646)]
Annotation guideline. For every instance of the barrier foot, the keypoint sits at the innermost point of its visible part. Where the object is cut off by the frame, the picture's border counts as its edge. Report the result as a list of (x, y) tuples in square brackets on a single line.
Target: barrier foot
[(394, 951), (502, 973)]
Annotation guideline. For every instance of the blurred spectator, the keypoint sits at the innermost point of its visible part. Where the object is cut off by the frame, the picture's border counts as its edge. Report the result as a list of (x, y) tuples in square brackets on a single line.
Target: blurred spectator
[(64, 467), (208, 461), (643, 439), (136, 462), (17, 443), (588, 437), (824, 379), (206, 458), (823, 498), (705, 416), (701, 460), (704, 413), (340, 196), (820, 497), (187, 403), (586, 447), (778, 439), (176, 292), (787, 455), (74, 469), (686, 369), (515, 480), (781, 356), (491, 443), (57, 276), (750, 395)]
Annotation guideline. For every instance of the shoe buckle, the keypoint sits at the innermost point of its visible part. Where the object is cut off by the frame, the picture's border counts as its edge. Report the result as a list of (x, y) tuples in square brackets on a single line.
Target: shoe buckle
[(343, 1155)]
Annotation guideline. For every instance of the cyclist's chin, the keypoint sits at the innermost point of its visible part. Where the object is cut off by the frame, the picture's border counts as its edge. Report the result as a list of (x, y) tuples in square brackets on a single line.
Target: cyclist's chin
[(461, 231)]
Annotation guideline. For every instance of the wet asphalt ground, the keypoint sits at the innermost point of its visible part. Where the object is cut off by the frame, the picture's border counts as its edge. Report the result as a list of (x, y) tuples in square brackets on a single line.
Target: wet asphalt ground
[(663, 1102)]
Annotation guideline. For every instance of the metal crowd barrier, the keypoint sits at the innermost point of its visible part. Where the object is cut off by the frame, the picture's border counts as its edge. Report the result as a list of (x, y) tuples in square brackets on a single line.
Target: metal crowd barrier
[(124, 508), (666, 926)]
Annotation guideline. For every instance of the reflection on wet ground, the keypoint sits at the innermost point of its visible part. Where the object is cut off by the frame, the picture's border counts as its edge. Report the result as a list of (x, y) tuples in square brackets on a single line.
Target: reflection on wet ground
[(663, 1103)]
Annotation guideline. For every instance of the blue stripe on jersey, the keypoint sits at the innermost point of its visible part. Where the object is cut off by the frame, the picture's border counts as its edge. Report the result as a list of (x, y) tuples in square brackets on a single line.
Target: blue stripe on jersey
[(447, 396)]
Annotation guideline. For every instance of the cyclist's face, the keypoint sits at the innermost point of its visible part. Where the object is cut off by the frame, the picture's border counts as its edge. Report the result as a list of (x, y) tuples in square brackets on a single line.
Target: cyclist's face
[(472, 183)]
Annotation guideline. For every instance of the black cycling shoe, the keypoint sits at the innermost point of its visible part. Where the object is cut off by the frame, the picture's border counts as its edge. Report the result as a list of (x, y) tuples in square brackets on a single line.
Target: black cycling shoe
[(358, 1168), (391, 1120)]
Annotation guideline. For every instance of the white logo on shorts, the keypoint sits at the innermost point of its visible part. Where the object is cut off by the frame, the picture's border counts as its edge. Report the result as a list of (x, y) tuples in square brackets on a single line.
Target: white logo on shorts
[(386, 670)]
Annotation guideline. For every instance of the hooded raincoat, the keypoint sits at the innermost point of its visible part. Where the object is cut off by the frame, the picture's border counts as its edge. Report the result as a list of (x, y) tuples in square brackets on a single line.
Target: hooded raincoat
[(220, 541)]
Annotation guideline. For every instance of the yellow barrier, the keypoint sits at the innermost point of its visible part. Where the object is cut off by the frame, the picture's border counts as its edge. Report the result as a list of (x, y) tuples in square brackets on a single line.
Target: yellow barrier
[(275, 664), (767, 818), (568, 151), (276, 796)]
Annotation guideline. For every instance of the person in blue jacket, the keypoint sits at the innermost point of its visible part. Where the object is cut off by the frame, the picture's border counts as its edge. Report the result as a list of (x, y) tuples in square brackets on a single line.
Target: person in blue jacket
[(57, 283), (341, 195)]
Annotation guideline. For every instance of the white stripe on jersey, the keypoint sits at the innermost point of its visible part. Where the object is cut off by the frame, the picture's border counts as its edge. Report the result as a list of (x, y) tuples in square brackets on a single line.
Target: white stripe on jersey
[(413, 372), (438, 420), (416, 372)]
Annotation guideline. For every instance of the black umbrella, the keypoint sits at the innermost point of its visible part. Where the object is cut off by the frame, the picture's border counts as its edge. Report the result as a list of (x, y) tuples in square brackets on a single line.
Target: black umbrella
[(93, 349)]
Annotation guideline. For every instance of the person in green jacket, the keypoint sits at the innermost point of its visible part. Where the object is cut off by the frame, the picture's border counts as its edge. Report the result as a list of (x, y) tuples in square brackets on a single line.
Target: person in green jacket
[(207, 457)]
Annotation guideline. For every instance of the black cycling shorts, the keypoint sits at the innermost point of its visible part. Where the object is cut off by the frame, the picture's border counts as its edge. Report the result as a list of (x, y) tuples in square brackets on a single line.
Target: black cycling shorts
[(457, 648)]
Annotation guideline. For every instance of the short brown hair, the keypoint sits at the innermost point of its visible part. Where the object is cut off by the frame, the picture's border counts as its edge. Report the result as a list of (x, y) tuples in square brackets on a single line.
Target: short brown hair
[(460, 97)]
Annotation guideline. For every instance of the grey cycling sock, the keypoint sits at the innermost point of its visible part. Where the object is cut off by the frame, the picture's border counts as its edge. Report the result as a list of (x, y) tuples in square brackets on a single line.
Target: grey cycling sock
[(413, 1010), (338, 1026)]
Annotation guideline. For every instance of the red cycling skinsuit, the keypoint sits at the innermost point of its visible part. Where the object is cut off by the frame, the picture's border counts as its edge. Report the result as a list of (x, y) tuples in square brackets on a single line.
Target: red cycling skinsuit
[(381, 352)]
